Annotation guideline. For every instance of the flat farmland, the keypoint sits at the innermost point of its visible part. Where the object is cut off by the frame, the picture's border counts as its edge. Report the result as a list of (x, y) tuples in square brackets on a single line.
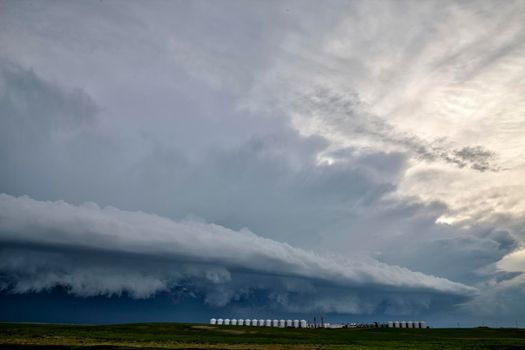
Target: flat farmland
[(197, 336)]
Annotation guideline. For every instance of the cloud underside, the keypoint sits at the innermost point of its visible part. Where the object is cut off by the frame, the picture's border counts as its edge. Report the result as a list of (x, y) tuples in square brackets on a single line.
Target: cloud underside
[(104, 251)]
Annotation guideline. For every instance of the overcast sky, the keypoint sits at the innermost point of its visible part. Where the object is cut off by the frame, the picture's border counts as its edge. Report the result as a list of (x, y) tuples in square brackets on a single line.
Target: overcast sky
[(355, 159)]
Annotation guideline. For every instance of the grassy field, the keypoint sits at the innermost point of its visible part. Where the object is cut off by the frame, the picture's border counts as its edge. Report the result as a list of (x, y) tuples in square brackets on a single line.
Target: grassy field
[(193, 336)]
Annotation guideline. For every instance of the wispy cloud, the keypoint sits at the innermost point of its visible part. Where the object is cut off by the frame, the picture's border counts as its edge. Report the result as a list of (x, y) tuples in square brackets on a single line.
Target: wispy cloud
[(345, 116)]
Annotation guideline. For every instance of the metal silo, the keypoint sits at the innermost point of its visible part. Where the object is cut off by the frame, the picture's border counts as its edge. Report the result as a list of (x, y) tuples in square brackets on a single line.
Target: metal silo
[(268, 323), (220, 321), (275, 323), (289, 323), (295, 323), (261, 323), (240, 322), (390, 324), (422, 324), (255, 322), (302, 323), (213, 321), (247, 322), (282, 323), (227, 322), (410, 324), (396, 324), (234, 322), (403, 324)]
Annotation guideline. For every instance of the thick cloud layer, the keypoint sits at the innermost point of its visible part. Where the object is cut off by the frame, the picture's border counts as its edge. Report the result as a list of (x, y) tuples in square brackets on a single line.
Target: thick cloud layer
[(387, 133), (92, 250)]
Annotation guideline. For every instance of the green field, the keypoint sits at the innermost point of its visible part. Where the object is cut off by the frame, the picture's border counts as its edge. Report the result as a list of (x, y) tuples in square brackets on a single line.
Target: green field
[(193, 336)]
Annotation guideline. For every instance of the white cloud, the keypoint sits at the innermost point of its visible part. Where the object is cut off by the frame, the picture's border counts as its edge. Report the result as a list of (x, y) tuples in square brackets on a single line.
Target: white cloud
[(513, 262)]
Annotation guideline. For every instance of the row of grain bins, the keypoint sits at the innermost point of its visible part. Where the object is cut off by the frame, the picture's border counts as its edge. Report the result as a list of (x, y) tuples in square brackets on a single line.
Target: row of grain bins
[(259, 323), (407, 324)]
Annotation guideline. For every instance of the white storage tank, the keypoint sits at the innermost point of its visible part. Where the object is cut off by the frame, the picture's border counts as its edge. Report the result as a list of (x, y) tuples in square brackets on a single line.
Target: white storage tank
[(234, 322), (410, 324), (268, 323), (295, 323), (403, 324), (227, 322), (240, 322), (282, 323), (422, 324), (396, 324), (275, 323), (220, 321), (390, 324), (255, 322), (289, 323), (302, 323), (213, 321), (261, 323), (247, 322)]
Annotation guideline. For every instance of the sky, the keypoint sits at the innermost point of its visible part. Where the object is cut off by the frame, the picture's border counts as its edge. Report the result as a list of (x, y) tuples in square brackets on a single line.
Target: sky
[(182, 160)]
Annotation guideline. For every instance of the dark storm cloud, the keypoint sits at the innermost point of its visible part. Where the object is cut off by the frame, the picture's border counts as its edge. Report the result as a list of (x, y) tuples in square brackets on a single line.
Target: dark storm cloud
[(247, 186), (92, 251), (252, 184), (186, 110), (40, 106)]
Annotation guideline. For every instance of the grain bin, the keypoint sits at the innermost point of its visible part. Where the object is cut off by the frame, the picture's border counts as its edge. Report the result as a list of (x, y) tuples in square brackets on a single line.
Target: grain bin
[(282, 323), (390, 324), (295, 323), (397, 324), (261, 323), (275, 323), (302, 323), (213, 321), (220, 321), (234, 322), (289, 323), (226, 321), (240, 322)]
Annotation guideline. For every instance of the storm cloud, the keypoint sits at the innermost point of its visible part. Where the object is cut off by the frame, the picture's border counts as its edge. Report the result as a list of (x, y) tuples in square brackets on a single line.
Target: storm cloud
[(92, 250), (350, 157)]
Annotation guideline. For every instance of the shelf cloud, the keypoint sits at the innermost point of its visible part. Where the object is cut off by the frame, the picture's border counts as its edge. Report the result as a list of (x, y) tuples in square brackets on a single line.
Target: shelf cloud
[(104, 251), (361, 157)]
